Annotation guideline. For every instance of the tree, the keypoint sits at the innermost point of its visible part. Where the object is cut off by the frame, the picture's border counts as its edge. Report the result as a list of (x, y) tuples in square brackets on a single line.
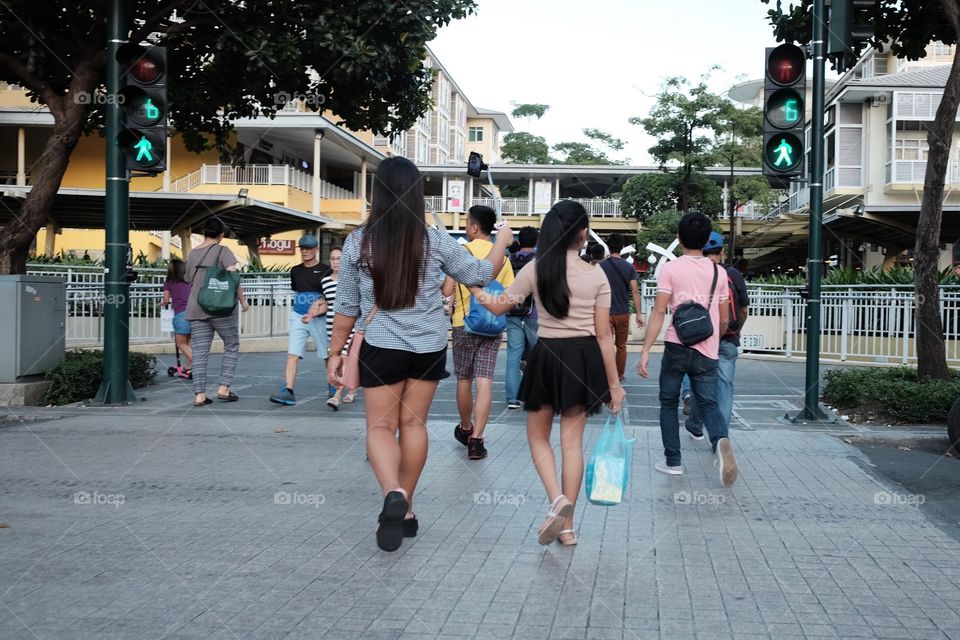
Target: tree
[(910, 25), (525, 148), (528, 110), (753, 189), (364, 65), (649, 194), (585, 153), (682, 120)]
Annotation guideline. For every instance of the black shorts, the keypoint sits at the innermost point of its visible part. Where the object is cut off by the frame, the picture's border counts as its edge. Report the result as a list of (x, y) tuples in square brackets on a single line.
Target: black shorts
[(379, 367)]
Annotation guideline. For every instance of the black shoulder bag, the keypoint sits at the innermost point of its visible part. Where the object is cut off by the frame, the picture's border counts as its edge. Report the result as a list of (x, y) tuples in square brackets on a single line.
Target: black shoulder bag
[(691, 320)]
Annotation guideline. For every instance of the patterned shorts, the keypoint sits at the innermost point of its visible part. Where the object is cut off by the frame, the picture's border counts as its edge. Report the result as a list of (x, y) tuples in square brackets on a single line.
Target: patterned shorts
[(474, 356)]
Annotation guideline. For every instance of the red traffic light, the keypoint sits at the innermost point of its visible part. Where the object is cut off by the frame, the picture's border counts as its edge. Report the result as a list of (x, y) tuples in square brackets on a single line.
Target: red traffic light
[(786, 64), (145, 70), (142, 64)]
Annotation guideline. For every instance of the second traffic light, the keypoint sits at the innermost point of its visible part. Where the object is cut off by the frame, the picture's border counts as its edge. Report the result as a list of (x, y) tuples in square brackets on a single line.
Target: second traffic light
[(144, 100), (848, 28), (784, 93)]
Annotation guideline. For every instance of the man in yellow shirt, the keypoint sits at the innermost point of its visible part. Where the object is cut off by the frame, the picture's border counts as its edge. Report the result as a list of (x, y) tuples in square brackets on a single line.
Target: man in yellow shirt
[(474, 356)]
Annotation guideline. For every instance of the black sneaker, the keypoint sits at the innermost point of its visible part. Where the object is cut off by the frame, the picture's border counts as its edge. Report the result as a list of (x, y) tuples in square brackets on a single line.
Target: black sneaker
[(686, 404), (461, 435), (695, 434), (475, 449)]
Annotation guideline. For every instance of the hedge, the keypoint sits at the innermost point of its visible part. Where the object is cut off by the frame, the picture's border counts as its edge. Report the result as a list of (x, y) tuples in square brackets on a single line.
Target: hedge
[(79, 376), (895, 392)]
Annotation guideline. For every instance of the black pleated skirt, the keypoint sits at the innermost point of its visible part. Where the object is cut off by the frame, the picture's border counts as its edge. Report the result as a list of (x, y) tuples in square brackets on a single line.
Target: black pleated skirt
[(563, 373)]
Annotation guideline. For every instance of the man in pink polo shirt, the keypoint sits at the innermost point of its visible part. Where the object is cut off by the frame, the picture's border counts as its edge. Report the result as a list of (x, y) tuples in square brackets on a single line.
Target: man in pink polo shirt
[(690, 278)]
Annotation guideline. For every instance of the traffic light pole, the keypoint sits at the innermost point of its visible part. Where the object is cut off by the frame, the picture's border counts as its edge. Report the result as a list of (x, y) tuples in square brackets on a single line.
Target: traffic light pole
[(811, 399), (116, 387)]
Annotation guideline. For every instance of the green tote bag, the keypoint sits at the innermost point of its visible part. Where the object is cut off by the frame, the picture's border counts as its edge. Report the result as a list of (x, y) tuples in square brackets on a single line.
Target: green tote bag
[(218, 295)]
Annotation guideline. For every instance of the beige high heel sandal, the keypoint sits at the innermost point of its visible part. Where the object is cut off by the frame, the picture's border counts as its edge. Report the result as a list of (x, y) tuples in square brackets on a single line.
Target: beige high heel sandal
[(570, 541), (555, 518)]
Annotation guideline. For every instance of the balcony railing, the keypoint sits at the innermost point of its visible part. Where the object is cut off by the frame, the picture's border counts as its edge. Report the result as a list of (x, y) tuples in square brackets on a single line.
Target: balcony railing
[(597, 208), (914, 172), (259, 174)]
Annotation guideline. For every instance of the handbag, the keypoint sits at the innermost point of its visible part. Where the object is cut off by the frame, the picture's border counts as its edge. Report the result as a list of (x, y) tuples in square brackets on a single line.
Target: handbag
[(479, 320), (691, 320), (350, 376), (218, 295), (608, 471)]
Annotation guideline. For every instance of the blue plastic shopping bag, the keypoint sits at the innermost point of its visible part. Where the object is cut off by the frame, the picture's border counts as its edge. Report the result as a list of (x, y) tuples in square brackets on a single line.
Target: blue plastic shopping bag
[(609, 468)]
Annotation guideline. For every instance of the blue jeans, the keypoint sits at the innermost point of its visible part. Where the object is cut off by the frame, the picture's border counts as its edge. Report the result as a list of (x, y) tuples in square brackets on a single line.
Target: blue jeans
[(678, 361), (726, 369), (520, 333)]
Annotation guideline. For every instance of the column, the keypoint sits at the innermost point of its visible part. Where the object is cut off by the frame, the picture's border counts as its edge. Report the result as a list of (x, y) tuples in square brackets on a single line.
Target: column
[(363, 188), (557, 196), (317, 137), (166, 174), (21, 157), (530, 197), (468, 202), (165, 244), (186, 243), (726, 200), (253, 248), (50, 239), (444, 194)]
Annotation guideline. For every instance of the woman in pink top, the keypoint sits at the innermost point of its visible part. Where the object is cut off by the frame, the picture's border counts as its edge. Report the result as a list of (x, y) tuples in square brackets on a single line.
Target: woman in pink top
[(572, 371)]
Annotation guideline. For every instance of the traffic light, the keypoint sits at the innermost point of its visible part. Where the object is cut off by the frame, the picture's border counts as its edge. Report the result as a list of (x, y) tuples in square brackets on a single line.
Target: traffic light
[(143, 97), (784, 92), (849, 26)]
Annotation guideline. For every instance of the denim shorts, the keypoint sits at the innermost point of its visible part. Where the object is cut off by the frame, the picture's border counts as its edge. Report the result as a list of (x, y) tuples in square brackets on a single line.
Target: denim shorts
[(300, 331), (181, 326)]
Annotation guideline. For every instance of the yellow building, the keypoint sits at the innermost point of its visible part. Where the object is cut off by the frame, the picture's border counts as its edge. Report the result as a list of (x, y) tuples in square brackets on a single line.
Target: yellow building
[(296, 173)]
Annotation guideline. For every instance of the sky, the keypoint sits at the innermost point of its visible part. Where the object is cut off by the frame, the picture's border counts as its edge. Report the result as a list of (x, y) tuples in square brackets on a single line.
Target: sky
[(598, 63)]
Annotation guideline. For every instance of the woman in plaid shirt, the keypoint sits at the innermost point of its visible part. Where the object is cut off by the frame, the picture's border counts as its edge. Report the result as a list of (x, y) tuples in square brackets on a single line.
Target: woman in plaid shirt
[(390, 282)]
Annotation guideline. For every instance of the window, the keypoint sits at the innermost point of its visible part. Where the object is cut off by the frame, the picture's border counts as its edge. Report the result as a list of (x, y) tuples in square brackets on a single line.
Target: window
[(476, 134), (911, 150)]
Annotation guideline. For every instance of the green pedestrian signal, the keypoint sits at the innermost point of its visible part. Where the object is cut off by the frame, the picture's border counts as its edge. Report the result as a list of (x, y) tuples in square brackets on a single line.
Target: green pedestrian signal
[(783, 153), (143, 151)]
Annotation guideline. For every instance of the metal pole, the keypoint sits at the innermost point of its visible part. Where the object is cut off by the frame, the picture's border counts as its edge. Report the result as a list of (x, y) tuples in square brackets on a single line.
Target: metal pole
[(811, 407), (116, 387)]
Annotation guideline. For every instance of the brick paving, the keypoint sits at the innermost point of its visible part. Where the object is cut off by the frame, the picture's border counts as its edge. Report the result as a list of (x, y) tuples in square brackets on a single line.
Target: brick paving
[(252, 520)]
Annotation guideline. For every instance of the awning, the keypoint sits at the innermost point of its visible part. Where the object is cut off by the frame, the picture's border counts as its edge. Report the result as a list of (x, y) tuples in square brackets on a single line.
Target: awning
[(160, 211)]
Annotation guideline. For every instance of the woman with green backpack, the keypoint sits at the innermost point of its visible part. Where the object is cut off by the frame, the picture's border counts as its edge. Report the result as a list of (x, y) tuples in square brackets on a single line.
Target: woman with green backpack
[(214, 292)]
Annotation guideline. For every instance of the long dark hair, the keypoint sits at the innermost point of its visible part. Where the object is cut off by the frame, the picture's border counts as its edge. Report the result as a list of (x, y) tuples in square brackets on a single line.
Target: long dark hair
[(394, 236), (176, 271), (559, 232)]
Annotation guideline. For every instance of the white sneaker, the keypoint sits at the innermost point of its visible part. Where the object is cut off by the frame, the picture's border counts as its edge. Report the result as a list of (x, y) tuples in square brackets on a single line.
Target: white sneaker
[(728, 463), (514, 404), (663, 467)]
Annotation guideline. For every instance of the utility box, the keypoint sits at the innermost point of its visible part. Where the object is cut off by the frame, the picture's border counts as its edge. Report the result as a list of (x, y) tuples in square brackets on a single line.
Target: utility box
[(33, 311)]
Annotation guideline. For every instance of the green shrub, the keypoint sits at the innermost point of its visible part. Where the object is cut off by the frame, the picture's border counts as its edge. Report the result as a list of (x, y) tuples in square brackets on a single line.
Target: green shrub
[(79, 375), (895, 392)]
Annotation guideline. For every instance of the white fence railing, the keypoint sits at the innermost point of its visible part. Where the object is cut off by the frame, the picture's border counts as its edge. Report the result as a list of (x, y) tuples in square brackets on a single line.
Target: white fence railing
[(259, 174), (862, 323)]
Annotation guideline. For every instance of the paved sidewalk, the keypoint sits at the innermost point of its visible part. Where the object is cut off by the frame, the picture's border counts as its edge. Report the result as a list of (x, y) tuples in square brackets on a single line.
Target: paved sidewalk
[(252, 520)]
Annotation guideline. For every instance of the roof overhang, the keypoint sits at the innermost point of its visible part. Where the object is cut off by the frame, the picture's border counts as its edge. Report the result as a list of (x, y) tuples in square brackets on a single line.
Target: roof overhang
[(159, 211)]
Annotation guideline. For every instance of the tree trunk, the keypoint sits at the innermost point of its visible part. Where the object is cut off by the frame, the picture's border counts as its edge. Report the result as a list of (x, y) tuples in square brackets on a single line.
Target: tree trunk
[(45, 179), (931, 352)]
